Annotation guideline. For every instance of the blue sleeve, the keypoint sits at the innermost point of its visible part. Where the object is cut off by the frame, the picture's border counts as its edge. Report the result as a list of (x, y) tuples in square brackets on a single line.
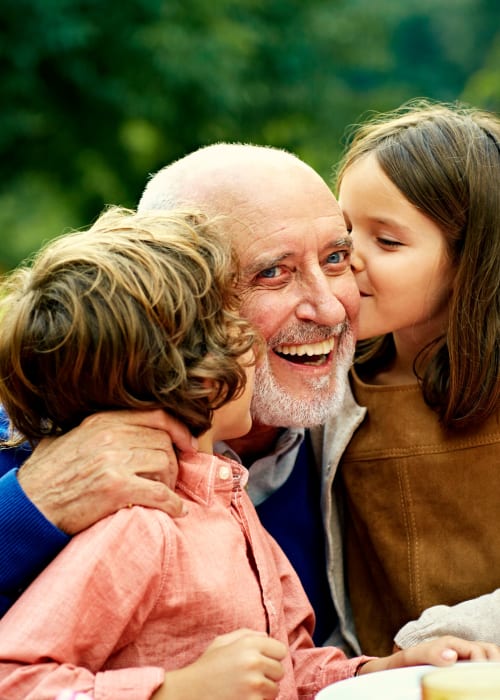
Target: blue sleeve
[(10, 457), (28, 541)]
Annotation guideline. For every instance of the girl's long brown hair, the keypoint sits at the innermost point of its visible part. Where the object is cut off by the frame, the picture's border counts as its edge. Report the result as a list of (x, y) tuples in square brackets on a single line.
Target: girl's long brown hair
[(445, 159)]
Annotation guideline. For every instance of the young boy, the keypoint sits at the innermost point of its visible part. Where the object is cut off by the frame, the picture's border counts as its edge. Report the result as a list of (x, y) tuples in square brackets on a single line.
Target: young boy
[(140, 311)]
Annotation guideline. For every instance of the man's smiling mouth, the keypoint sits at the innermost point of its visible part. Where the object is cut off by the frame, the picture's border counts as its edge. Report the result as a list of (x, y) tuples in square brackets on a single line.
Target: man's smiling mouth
[(306, 353)]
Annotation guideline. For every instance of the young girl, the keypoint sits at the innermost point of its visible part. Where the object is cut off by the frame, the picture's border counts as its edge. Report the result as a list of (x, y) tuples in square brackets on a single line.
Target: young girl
[(419, 189), (140, 312)]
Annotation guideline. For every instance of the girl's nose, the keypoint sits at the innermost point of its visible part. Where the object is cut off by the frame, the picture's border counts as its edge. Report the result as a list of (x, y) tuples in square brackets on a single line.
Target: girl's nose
[(357, 263)]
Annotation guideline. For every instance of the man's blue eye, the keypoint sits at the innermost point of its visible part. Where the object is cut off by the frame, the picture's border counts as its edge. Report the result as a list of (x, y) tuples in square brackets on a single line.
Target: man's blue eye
[(269, 273), (336, 257)]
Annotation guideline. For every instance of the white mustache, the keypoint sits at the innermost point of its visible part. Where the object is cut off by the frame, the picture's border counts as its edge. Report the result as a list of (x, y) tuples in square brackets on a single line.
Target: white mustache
[(308, 333)]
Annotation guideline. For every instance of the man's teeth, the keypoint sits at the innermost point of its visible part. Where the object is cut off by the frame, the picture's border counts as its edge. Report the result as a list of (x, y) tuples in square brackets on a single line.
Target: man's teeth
[(309, 349)]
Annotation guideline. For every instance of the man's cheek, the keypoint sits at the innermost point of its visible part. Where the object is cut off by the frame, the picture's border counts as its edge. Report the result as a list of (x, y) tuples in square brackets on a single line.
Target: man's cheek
[(261, 320)]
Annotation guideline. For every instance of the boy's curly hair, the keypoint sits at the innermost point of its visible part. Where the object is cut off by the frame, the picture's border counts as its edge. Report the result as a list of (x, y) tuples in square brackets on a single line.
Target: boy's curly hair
[(138, 312)]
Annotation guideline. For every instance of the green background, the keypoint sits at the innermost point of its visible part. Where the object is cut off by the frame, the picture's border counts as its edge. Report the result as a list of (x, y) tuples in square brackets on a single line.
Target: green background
[(97, 94)]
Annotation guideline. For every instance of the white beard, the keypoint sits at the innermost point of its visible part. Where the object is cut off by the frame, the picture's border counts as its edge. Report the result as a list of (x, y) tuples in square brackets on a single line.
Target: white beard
[(275, 405)]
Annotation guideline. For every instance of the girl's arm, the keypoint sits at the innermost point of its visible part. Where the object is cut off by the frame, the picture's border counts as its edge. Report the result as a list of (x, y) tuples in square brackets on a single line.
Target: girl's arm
[(474, 619), (442, 651)]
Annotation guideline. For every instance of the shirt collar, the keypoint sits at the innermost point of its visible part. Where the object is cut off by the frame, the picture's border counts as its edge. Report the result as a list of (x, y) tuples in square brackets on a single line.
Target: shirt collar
[(204, 476), (268, 473)]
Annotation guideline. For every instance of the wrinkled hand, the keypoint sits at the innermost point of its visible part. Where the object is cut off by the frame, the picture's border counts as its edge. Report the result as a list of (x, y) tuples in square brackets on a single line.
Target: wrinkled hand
[(110, 460), (442, 651), (241, 665)]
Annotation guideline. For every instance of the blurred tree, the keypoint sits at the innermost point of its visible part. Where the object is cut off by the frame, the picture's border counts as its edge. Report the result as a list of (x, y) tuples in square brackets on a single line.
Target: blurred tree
[(97, 95)]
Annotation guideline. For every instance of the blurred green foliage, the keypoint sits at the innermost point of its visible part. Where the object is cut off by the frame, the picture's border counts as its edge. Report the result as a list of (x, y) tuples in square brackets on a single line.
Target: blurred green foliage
[(94, 95)]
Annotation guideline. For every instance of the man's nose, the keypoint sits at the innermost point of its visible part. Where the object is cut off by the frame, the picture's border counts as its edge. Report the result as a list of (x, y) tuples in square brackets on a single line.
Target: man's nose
[(320, 301)]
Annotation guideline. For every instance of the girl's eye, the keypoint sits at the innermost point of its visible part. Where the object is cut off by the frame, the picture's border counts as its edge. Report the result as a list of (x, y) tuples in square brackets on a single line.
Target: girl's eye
[(389, 242)]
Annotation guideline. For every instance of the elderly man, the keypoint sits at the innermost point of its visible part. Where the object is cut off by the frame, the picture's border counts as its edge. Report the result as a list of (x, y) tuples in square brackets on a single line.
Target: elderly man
[(298, 289)]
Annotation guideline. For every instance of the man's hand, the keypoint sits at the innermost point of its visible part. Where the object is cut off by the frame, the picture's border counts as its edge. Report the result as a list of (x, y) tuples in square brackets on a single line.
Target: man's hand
[(111, 460)]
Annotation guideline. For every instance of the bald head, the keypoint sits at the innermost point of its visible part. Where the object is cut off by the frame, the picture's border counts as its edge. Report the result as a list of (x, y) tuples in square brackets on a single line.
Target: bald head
[(224, 178)]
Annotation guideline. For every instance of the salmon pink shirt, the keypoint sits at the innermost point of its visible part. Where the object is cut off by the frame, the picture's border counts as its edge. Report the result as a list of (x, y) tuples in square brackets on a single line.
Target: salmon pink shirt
[(140, 592)]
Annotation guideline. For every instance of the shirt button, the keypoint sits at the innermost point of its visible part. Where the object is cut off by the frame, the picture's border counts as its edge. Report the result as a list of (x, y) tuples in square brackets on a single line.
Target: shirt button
[(224, 473)]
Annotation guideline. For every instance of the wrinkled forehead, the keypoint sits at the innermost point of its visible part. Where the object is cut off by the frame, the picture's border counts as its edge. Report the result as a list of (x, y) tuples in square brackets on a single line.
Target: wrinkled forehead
[(270, 203)]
